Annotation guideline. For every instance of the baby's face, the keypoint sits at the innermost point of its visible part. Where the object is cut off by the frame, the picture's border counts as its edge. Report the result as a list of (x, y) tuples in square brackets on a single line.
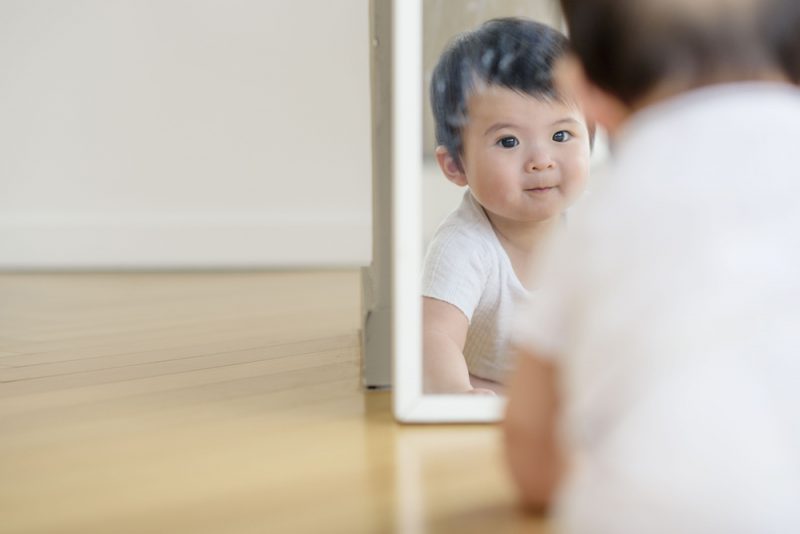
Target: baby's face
[(525, 160)]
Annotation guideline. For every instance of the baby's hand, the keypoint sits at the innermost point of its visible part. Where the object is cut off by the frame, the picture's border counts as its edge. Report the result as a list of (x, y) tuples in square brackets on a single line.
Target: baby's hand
[(481, 391)]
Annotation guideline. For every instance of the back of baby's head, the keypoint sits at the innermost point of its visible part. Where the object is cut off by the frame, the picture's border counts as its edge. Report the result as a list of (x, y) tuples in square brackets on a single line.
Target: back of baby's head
[(630, 47), (514, 53)]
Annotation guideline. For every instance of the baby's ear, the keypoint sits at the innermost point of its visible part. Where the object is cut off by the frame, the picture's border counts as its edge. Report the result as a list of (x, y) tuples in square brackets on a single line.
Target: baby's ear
[(450, 166)]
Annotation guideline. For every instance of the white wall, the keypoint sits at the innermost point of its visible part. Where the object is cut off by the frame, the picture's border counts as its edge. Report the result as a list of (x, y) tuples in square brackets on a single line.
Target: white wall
[(178, 133)]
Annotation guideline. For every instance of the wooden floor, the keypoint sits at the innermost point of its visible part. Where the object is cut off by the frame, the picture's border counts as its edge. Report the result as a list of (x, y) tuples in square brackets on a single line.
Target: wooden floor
[(171, 403)]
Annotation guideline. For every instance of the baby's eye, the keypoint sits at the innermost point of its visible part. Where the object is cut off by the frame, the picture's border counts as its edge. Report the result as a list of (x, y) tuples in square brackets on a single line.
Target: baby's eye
[(562, 136), (508, 142)]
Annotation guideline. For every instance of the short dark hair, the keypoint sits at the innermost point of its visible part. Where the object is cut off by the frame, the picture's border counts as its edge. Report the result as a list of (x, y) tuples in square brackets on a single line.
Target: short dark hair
[(782, 26), (509, 52), (628, 47)]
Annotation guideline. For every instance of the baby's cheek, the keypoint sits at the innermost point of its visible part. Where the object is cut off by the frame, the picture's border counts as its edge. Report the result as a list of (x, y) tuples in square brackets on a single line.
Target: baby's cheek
[(580, 178), (493, 194), (574, 188)]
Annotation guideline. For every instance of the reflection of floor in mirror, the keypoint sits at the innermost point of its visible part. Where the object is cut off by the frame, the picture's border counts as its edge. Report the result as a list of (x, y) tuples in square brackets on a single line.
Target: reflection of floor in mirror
[(219, 403)]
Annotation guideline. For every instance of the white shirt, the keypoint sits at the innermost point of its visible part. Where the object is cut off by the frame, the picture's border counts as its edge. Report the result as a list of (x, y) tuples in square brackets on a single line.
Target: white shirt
[(674, 308), (466, 266)]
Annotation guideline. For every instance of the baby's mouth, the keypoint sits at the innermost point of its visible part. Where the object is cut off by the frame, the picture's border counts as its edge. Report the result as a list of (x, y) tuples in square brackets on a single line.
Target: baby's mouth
[(539, 189)]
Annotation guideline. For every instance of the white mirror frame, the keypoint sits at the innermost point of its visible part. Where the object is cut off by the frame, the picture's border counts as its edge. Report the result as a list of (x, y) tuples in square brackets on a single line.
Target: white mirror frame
[(410, 405)]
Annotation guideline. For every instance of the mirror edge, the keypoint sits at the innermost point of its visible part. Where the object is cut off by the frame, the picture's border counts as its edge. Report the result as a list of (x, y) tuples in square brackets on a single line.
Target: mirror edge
[(409, 403)]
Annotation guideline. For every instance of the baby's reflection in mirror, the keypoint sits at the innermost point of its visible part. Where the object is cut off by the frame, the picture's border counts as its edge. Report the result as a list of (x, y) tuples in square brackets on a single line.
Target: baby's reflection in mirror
[(522, 151)]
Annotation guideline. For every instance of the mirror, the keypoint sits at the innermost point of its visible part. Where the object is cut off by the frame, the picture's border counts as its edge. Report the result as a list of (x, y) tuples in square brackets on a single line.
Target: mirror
[(423, 197)]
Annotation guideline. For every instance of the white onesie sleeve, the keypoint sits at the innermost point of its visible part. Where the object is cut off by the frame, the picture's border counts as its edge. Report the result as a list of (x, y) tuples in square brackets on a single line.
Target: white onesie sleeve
[(466, 266), (455, 269)]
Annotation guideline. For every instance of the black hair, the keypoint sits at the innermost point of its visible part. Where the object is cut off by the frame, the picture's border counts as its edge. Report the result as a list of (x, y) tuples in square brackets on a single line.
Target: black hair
[(781, 24), (514, 53), (628, 47)]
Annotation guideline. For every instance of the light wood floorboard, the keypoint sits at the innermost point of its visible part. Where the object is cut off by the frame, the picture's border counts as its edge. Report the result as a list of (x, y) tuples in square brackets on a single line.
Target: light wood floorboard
[(219, 402)]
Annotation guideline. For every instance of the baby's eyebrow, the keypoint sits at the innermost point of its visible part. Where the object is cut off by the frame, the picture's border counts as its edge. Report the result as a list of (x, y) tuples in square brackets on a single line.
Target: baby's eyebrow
[(569, 120), (498, 126), (501, 125)]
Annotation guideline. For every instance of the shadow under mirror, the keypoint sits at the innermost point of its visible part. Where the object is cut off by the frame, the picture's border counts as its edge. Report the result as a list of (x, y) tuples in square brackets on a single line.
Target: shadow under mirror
[(502, 160)]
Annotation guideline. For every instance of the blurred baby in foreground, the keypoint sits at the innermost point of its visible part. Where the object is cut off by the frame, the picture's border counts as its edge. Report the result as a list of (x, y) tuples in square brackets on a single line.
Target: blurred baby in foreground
[(658, 385)]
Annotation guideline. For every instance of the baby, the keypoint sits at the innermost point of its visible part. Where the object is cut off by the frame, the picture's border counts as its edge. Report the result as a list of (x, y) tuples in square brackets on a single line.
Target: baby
[(522, 151), (657, 385)]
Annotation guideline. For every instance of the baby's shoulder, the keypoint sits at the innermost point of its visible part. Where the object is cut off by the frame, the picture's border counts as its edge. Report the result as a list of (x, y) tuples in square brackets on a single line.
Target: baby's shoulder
[(458, 266), (462, 238), (467, 224)]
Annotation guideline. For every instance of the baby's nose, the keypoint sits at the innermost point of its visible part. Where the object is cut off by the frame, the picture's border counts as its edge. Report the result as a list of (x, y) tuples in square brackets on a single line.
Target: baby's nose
[(539, 160)]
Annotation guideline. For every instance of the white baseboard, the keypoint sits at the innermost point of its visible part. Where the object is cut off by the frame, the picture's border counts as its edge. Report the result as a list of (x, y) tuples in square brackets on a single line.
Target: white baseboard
[(181, 241)]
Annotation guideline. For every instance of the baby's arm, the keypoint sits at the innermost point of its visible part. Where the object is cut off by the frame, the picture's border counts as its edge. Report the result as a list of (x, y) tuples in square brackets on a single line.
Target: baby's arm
[(484, 384), (530, 430), (444, 331)]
